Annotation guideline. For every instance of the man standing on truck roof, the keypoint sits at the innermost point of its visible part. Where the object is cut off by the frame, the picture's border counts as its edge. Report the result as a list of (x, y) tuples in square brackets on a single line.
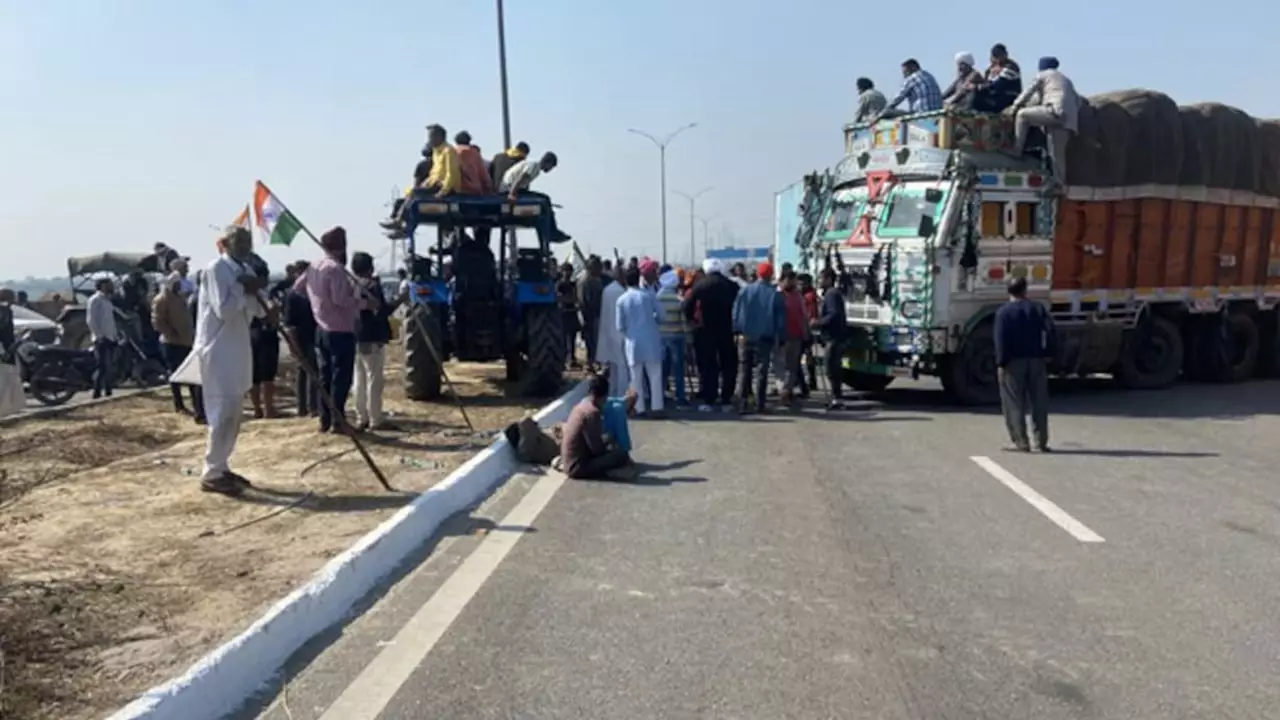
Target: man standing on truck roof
[(871, 101), (1056, 112), (919, 90), (1025, 344)]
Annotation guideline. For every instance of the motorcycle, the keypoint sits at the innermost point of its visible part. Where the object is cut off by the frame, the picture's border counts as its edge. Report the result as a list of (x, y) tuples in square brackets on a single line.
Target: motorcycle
[(57, 372)]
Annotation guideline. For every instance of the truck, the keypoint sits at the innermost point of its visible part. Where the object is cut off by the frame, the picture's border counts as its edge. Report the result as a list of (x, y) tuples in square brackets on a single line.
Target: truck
[(1158, 255)]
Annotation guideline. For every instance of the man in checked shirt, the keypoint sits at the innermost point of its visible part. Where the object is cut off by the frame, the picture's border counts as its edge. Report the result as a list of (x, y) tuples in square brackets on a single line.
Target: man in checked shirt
[(919, 90)]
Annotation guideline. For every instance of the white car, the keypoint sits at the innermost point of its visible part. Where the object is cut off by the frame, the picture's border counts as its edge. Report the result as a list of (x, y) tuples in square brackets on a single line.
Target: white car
[(43, 330)]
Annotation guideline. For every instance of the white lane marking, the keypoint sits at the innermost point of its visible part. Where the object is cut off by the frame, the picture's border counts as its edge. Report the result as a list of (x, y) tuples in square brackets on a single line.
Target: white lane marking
[(371, 691), (1059, 516)]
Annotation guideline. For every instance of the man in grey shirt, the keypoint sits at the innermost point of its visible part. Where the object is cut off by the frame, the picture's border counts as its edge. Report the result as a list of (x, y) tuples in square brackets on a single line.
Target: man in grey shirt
[(1049, 102), (871, 101)]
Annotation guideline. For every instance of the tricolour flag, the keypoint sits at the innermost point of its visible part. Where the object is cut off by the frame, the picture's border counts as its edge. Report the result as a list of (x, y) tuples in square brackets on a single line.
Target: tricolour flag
[(278, 223), (242, 220)]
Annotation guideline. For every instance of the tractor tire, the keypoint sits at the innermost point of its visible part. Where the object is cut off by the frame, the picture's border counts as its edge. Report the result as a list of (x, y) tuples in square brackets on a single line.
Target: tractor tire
[(422, 372), (973, 378), (545, 345), (1152, 356), (865, 382)]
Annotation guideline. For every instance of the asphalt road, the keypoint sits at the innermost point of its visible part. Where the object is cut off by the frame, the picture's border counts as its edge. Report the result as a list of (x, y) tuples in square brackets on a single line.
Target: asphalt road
[(853, 566)]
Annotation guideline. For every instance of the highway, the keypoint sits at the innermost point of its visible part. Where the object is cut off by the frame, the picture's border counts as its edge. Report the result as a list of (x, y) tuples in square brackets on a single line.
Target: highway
[(890, 562)]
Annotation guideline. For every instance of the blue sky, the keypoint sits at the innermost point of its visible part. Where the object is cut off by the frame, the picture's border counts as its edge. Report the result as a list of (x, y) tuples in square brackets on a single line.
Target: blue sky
[(126, 122)]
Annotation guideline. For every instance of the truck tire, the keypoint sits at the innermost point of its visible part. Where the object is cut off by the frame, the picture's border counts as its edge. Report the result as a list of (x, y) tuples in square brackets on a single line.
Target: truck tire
[(1269, 347), (544, 371), (1152, 356), (866, 382), (972, 375), (422, 370), (1244, 343)]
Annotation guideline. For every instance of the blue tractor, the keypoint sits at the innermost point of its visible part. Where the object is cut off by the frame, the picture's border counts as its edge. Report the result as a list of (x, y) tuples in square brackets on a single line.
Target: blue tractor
[(499, 307)]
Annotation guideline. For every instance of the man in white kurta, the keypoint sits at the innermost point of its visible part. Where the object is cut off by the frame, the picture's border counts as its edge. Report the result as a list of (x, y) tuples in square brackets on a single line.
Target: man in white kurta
[(222, 351), (610, 352)]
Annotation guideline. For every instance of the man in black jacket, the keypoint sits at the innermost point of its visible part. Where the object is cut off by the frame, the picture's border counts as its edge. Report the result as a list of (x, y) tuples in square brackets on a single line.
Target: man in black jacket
[(373, 332), (709, 310), (300, 323), (834, 326), (1024, 337)]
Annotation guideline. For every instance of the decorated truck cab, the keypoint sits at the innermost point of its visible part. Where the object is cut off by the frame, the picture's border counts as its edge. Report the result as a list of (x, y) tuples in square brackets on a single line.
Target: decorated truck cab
[(1152, 269)]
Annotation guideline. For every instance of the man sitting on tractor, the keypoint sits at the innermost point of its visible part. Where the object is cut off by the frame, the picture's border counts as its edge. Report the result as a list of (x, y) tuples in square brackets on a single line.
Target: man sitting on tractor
[(442, 176), (516, 181)]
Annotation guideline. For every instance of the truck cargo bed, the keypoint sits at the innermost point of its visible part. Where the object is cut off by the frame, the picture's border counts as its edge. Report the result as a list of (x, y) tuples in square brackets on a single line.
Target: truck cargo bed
[(1166, 242)]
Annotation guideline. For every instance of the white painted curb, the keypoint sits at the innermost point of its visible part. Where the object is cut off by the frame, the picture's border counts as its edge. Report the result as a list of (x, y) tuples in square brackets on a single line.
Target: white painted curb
[(221, 681)]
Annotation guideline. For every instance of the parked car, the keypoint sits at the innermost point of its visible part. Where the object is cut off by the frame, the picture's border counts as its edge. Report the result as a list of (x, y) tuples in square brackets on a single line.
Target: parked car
[(43, 330)]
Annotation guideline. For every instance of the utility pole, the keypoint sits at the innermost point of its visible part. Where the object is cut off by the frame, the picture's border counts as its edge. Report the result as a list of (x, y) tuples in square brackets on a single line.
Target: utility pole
[(662, 172), (502, 77), (706, 234), (693, 199)]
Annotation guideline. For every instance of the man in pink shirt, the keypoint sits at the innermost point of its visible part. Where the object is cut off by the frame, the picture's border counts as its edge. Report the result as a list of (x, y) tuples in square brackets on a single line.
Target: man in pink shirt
[(336, 304)]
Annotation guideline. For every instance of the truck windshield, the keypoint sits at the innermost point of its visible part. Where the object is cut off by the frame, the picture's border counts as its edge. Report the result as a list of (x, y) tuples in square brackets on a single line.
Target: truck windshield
[(842, 217), (905, 211)]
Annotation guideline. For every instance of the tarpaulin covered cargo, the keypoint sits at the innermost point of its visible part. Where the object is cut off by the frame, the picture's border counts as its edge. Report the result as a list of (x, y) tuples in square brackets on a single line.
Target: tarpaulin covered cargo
[(1142, 137)]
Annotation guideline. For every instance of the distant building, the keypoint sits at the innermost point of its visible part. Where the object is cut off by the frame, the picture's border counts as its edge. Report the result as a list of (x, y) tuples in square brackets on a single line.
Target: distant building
[(747, 256)]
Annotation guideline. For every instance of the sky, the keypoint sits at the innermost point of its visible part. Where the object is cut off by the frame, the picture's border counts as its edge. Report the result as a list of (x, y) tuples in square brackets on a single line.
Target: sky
[(127, 122)]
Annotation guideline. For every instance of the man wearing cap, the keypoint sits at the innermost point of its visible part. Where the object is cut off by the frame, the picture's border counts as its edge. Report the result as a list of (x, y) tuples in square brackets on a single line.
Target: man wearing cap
[(336, 305), (1056, 110), (1025, 343), (759, 318)]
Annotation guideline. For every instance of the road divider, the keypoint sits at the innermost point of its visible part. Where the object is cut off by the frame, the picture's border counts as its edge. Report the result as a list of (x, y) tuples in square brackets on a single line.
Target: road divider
[(223, 680)]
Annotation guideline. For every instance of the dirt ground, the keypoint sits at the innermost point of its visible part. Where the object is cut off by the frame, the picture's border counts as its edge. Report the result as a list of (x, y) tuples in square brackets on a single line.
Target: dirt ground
[(116, 572)]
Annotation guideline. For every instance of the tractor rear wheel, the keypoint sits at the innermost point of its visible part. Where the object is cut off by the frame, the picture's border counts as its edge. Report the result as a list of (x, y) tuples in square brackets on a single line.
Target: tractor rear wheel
[(543, 373), (422, 343)]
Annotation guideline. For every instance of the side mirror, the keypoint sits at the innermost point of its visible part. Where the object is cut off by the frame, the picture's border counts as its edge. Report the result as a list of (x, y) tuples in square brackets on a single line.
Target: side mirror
[(927, 227), (933, 196)]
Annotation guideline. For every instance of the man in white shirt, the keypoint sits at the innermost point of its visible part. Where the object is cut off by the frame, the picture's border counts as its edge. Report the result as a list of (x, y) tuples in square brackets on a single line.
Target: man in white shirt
[(517, 179), (101, 318), (223, 354), (1056, 111)]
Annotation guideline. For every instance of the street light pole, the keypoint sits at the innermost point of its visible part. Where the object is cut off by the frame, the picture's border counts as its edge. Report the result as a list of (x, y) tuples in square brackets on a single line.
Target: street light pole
[(693, 199), (706, 234), (662, 170), (502, 75)]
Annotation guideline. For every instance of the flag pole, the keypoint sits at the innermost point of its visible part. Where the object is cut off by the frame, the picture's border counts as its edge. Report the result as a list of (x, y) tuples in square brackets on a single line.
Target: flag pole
[(426, 337)]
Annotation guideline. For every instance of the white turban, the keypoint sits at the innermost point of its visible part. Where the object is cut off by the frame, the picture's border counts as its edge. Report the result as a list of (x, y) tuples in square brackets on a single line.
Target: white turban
[(712, 265), (965, 58)]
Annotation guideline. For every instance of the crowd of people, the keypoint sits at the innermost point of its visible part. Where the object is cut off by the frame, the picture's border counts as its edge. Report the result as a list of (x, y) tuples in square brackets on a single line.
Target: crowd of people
[(1049, 101)]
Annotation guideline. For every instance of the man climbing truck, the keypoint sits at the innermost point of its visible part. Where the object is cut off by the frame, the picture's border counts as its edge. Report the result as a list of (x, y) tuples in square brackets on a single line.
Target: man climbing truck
[(1159, 258)]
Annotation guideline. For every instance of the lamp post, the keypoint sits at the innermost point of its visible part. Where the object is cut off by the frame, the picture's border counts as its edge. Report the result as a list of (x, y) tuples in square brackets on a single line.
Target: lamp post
[(706, 234), (662, 170), (502, 77), (693, 199)]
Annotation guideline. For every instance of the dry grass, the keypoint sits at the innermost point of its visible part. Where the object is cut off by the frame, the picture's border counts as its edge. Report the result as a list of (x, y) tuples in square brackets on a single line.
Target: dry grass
[(116, 572)]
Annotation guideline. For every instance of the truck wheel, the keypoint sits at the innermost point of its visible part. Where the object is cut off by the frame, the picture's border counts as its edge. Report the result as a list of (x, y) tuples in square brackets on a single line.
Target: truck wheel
[(544, 372), (1269, 347), (421, 368), (1152, 355), (866, 382), (973, 379), (1242, 350)]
